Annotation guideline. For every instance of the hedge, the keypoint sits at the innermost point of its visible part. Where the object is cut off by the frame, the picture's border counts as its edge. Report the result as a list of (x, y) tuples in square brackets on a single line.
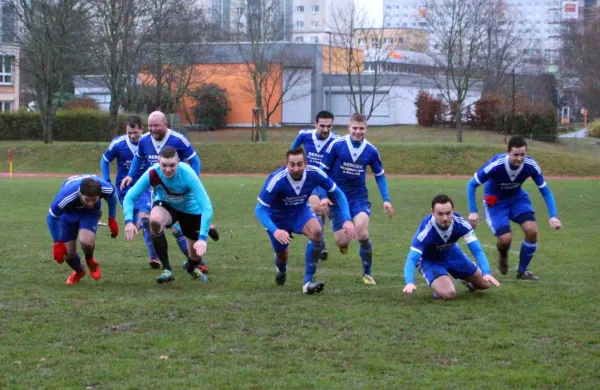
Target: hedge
[(76, 125)]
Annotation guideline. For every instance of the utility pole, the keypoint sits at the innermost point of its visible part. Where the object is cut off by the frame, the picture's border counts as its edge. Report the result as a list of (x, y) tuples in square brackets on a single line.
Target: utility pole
[(512, 121)]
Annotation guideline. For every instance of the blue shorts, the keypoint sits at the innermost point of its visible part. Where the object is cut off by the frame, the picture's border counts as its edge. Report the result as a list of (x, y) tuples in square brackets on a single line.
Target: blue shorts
[(498, 217), (356, 207), (142, 205), (72, 223), (458, 265), (293, 224)]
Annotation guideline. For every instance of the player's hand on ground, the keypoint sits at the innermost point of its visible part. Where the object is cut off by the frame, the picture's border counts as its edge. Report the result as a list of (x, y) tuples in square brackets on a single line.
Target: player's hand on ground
[(282, 236), (409, 288), (490, 279), (126, 182), (348, 227), (473, 219), (130, 231), (114, 227), (200, 247), (59, 250), (325, 203), (387, 207), (555, 223)]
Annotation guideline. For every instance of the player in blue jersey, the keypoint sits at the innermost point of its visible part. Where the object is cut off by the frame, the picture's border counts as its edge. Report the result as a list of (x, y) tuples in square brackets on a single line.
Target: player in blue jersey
[(315, 142), (178, 197), (435, 252), (74, 214), (283, 209), (123, 148), (149, 147), (505, 201), (346, 161)]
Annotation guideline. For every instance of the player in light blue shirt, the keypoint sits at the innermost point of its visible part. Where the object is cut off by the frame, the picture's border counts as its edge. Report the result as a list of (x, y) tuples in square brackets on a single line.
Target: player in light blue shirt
[(178, 197), (74, 214), (315, 142), (346, 161), (505, 201), (283, 209), (437, 255), (123, 148)]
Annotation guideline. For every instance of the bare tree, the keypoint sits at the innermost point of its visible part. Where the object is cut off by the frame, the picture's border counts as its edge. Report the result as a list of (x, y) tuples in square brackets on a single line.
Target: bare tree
[(368, 75), (54, 44), (274, 67)]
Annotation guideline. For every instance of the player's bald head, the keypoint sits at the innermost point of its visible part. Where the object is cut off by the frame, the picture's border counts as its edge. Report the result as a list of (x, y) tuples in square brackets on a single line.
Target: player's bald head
[(157, 125), (157, 115)]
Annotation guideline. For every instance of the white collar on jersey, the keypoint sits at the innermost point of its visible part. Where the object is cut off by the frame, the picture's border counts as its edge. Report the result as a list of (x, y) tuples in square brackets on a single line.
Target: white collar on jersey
[(296, 185), (445, 234), (319, 144), (158, 145), (512, 173), (131, 146), (355, 152)]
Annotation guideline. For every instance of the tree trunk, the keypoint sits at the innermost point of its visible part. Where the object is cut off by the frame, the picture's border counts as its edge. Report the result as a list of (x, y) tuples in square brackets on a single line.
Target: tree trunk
[(47, 119), (458, 119), (113, 112)]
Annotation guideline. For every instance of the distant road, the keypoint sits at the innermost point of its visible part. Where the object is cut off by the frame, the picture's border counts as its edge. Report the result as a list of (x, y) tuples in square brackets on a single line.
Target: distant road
[(576, 134)]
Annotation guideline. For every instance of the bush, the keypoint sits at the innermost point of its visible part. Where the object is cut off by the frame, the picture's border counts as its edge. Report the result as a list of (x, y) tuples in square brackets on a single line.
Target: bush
[(211, 106), (81, 102), (429, 109), (78, 125), (593, 129)]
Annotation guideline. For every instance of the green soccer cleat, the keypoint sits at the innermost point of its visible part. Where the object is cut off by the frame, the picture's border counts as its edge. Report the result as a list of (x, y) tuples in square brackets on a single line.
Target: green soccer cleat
[(368, 279), (166, 276)]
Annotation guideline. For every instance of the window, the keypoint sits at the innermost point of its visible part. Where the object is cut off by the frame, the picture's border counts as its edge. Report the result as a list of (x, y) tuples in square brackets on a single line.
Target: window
[(314, 24), (239, 11), (315, 9), (299, 24), (5, 106), (314, 39), (388, 40), (300, 8), (300, 39), (6, 69), (210, 11), (362, 41)]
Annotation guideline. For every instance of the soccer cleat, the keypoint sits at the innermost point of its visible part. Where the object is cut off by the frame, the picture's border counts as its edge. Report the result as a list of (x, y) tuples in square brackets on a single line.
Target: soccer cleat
[(155, 264), (469, 285), (527, 275), (75, 277), (503, 264), (280, 278), (196, 272), (213, 233), (324, 254), (166, 276), (313, 287), (344, 250), (94, 267), (368, 279)]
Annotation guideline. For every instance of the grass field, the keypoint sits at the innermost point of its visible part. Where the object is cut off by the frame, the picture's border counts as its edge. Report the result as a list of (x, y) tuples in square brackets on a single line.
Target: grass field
[(239, 330)]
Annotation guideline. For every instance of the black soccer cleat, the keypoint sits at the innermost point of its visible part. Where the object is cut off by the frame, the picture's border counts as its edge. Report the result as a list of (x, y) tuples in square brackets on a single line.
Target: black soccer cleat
[(527, 275), (280, 278), (213, 233), (503, 264)]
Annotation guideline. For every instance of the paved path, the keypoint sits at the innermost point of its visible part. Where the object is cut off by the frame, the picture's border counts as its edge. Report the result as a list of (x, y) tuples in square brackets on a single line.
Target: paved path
[(576, 134)]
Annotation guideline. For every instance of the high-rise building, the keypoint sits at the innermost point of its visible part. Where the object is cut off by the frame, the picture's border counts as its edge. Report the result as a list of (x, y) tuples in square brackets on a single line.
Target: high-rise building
[(313, 19)]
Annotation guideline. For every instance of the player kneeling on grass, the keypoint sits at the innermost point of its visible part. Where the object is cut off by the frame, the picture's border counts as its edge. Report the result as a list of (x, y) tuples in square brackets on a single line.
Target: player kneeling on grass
[(435, 252), (74, 214), (178, 197), (283, 209)]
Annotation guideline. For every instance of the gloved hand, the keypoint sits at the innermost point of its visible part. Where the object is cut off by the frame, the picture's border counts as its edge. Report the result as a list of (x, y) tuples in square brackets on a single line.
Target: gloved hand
[(114, 227)]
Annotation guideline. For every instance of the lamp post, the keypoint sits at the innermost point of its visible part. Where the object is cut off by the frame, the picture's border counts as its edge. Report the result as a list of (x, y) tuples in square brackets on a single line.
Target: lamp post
[(328, 98)]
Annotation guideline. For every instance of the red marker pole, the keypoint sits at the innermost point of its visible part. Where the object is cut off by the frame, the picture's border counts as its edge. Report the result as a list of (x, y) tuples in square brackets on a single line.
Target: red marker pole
[(10, 161)]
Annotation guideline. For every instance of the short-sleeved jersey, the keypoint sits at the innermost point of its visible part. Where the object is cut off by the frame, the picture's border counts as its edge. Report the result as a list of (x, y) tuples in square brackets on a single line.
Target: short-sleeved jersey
[(68, 199), (123, 150), (149, 148), (347, 166), (503, 181), (435, 244), (284, 197), (313, 146)]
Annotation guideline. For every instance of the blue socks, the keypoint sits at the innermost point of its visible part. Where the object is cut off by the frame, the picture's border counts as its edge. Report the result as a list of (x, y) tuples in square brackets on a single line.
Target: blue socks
[(527, 252), (147, 237), (181, 242), (311, 258), (75, 263), (366, 255)]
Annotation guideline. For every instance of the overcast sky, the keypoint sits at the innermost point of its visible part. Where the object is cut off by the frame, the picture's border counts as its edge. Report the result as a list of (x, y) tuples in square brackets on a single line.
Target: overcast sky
[(375, 10)]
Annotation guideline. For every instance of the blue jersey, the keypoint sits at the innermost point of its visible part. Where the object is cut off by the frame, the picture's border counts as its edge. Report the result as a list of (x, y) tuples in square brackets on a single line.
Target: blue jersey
[(504, 182), (313, 145), (149, 148), (435, 244), (123, 150), (184, 192), (347, 164), (285, 197), (68, 198)]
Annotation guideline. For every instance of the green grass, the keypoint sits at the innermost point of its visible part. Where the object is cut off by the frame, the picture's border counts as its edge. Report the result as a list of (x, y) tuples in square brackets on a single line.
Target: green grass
[(239, 330)]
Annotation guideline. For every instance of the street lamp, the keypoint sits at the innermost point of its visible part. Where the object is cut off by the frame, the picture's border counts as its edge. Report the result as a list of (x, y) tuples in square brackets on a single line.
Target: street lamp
[(328, 98)]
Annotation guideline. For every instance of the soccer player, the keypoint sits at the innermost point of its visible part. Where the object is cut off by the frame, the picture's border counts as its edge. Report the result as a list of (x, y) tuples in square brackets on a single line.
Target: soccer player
[(74, 214), (435, 252), (158, 137), (283, 209), (346, 161), (123, 148), (505, 201), (178, 197), (315, 142)]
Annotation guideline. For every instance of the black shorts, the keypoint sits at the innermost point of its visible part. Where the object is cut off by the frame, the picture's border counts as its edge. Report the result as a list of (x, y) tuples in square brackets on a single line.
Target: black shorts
[(190, 223)]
